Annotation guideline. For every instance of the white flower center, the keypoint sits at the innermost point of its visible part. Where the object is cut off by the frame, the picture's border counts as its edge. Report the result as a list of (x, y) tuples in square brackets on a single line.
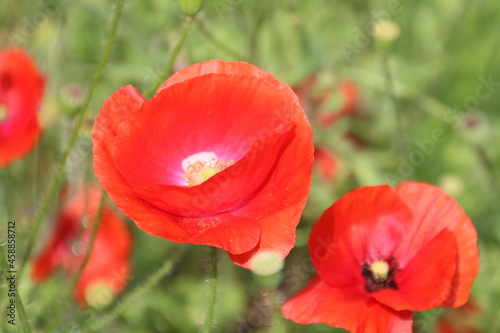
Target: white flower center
[(201, 166)]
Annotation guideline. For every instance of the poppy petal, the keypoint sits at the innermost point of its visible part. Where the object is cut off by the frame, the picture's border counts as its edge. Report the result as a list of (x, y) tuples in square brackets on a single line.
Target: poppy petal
[(239, 68), (425, 282), (20, 144), (44, 264), (284, 196), (113, 112), (345, 308), (195, 120), (434, 210), (21, 90)]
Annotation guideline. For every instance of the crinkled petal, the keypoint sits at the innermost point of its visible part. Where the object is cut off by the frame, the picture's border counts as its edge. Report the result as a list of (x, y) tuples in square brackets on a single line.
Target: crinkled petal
[(225, 190), (434, 210), (226, 119), (426, 281), (344, 308), (239, 68), (284, 196)]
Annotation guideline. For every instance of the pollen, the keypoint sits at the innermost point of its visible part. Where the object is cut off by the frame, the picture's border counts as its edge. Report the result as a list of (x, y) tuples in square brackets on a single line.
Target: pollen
[(3, 112), (380, 270), (199, 171)]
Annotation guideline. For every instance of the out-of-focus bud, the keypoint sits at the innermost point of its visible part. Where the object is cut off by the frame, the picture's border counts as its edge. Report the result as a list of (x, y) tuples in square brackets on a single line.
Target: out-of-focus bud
[(386, 30), (451, 184), (99, 295), (267, 268), (190, 7), (266, 263)]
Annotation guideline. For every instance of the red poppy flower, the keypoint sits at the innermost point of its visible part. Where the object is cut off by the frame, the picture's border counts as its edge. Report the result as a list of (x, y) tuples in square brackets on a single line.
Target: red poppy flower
[(108, 268), (304, 90), (327, 163), (21, 89), (221, 155), (349, 94), (381, 253), (317, 98)]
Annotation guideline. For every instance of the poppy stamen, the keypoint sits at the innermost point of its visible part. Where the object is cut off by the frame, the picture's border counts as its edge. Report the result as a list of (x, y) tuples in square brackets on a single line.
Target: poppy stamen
[(198, 171), (3, 112), (380, 270), (379, 275)]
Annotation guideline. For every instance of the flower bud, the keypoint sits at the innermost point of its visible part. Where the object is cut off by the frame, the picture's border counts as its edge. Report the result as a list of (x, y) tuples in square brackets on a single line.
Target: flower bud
[(386, 30), (98, 295), (266, 263), (190, 7)]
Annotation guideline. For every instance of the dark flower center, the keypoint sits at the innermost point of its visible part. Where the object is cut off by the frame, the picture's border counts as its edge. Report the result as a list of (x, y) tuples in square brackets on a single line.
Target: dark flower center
[(379, 275)]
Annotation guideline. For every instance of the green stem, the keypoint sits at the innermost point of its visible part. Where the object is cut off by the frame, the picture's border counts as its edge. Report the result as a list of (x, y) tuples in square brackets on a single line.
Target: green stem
[(278, 322), (220, 45), (489, 166), (400, 133), (56, 179), (74, 279), (23, 319), (188, 22), (212, 291), (163, 271)]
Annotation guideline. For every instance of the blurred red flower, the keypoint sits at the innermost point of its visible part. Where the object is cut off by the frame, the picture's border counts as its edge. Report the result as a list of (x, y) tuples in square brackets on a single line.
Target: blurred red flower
[(222, 155), (461, 320), (381, 253), (107, 271), (21, 89), (327, 163), (349, 95), (317, 98)]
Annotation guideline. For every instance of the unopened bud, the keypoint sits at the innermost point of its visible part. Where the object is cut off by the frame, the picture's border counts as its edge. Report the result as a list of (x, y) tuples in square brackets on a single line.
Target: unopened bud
[(98, 295), (190, 7), (386, 30), (266, 263)]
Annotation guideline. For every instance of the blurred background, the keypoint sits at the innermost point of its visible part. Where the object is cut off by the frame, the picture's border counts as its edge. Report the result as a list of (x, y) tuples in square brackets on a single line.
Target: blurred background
[(394, 90)]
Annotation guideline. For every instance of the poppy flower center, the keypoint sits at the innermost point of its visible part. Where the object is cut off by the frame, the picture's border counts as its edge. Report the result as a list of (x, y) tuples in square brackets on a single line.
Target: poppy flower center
[(3, 112), (99, 295), (379, 275), (201, 166)]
